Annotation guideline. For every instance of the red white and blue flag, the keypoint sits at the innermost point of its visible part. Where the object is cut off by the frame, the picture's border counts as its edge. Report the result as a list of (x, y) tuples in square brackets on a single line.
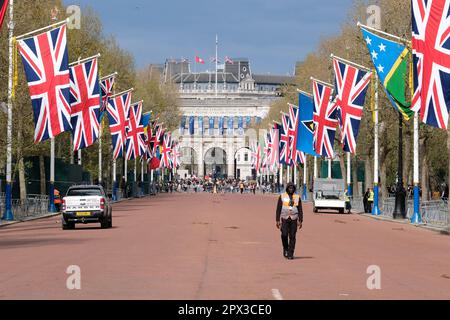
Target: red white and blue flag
[(431, 61), (351, 89), (297, 157), (135, 145), (176, 155), (118, 109), (325, 121), (266, 151), (106, 85), (45, 60), (166, 152), (274, 148), (256, 156), (285, 141), (85, 104)]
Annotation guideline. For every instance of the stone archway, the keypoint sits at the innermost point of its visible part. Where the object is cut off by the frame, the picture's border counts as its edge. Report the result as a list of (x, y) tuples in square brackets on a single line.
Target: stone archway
[(215, 163), (189, 163)]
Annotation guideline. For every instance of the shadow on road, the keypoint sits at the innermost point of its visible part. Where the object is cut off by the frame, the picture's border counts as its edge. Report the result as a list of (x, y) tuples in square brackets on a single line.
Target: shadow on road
[(30, 243)]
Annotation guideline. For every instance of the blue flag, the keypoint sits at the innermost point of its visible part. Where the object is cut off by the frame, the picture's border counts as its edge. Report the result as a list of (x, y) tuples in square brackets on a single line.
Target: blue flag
[(182, 125), (221, 125), (212, 123), (200, 125), (230, 126), (241, 126), (192, 126), (390, 59), (305, 135), (248, 121)]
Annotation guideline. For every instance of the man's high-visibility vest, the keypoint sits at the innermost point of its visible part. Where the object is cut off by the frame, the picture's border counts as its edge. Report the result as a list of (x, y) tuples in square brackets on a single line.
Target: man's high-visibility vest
[(371, 196), (288, 211)]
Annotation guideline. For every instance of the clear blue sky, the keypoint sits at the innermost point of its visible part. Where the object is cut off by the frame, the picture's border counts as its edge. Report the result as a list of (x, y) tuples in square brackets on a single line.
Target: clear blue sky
[(273, 34)]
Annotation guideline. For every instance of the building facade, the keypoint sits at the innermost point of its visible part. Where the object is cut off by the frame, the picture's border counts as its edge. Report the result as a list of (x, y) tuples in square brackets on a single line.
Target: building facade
[(218, 108)]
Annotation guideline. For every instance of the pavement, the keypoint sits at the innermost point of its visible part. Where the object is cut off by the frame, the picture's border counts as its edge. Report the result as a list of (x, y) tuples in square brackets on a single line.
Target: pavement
[(221, 247)]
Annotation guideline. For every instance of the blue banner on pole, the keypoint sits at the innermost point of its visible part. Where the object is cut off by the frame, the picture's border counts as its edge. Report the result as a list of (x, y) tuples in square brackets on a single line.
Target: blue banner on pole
[(230, 126), (305, 137), (182, 125), (200, 126), (212, 123), (241, 126), (192, 126), (221, 126), (248, 121)]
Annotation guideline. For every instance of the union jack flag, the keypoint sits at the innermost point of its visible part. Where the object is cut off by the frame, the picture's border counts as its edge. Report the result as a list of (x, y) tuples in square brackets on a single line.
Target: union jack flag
[(135, 133), (431, 48), (256, 156), (300, 157), (166, 152), (293, 129), (325, 121), (285, 140), (106, 85), (274, 148), (118, 109), (85, 104), (45, 60), (176, 155), (155, 137), (266, 151), (351, 89)]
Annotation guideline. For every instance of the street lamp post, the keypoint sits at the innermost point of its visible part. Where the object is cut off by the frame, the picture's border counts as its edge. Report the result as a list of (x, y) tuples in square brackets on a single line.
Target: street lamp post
[(400, 194)]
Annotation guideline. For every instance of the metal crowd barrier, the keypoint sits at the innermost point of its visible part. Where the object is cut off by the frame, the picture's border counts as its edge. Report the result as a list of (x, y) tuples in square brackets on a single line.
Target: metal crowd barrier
[(357, 204), (435, 212), (33, 206)]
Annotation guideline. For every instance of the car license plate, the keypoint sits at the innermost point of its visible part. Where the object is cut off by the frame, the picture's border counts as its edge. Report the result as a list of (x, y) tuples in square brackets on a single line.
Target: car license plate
[(83, 214)]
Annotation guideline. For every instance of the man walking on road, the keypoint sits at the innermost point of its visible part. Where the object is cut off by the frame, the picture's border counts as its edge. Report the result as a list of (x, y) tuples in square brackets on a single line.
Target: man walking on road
[(289, 218)]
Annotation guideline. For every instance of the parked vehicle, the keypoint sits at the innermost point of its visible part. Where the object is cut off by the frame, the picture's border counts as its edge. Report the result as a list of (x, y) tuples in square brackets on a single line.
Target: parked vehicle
[(329, 194), (86, 204)]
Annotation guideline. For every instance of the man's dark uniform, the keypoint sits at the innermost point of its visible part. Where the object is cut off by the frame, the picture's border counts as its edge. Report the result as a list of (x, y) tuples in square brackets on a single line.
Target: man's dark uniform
[(289, 218)]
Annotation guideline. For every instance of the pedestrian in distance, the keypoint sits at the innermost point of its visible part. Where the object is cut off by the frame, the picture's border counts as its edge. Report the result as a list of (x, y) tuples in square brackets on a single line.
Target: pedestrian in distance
[(366, 201), (348, 204), (370, 200), (289, 219)]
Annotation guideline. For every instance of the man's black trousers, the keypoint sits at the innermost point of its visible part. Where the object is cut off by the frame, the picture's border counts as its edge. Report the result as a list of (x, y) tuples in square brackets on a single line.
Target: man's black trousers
[(289, 235)]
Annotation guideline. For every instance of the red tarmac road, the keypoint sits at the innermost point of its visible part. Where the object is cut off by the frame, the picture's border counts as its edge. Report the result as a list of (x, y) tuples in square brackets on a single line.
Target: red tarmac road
[(221, 247)]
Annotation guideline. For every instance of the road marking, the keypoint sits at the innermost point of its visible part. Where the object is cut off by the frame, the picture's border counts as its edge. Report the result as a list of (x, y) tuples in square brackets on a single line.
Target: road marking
[(277, 295)]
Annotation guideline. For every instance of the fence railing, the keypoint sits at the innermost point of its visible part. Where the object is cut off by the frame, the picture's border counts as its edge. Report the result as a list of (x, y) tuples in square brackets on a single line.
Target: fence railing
[(433, 212), (33, 206)]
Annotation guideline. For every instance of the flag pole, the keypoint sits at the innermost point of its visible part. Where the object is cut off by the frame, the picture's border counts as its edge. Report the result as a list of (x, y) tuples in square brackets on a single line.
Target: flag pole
[(51, 204), (329, 169), (376, 189), (57, 24), (217, 57), (114, 186), (100, 132), (8, 214), (316, 173), (349, 175), (417, 217), (305, 173)]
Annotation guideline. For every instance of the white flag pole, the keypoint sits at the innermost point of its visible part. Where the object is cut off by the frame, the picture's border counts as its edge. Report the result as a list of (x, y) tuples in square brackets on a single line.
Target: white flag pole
[(8, 214), (376, 190)]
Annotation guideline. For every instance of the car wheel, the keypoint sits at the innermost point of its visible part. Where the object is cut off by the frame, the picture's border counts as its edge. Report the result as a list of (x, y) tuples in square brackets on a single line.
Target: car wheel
[(341, 211), (315, 210), (68, 226), (104, 223), (110, 223)]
